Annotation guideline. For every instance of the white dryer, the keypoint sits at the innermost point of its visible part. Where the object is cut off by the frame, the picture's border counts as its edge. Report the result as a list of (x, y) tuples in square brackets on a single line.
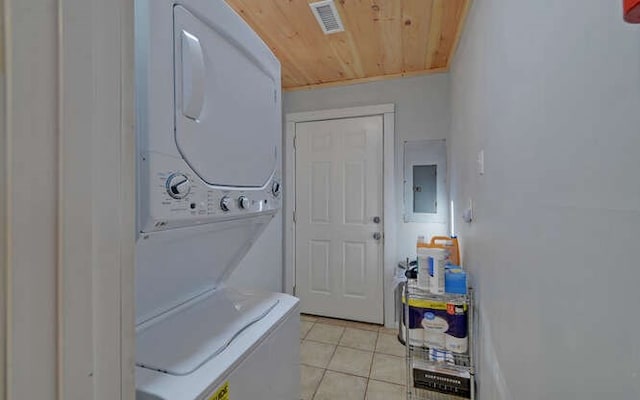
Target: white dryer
[(209, 130)]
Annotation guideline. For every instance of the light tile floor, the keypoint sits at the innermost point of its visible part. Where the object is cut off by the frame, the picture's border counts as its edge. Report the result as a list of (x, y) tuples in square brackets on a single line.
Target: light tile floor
[(350, 360)]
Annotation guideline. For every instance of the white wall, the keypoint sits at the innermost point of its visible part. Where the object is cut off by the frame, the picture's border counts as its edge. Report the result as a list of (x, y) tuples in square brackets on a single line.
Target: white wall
[(422, 112), (551, 91)]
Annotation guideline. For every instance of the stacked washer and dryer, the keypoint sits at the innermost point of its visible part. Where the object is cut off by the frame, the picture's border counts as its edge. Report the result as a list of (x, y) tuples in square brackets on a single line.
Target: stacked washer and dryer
[(209, 132)]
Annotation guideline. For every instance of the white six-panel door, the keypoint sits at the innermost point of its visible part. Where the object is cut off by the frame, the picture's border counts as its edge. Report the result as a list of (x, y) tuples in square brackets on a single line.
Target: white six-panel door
[(339, 175)]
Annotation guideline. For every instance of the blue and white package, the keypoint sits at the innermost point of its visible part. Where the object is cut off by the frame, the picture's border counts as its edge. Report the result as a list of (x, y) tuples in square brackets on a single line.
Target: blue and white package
[(444, 323), (455, 280)]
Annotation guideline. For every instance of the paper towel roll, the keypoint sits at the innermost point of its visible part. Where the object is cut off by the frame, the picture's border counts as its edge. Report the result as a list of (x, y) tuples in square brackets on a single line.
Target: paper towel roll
[(456, 344)]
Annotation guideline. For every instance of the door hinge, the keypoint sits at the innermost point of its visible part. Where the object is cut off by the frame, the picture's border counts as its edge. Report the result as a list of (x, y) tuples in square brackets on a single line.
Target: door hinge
[(294, 215), (294, 290), (295, 142)]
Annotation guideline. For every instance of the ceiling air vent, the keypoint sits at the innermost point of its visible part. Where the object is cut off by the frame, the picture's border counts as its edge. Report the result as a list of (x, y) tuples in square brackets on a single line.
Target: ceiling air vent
[(327, 15)]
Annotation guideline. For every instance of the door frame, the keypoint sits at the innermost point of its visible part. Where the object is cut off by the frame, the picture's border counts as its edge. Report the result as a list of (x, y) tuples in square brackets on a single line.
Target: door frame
[(67, 252), (387, 111)]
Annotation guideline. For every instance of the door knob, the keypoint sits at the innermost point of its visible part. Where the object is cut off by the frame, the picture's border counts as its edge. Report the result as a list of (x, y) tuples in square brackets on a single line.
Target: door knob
[(376, 220), (377, 236)]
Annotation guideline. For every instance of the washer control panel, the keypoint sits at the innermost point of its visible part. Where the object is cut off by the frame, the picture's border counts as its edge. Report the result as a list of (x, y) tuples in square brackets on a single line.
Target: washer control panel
[(178, 186), (244, 202), (177, 197), (276, 187), (225, 203)]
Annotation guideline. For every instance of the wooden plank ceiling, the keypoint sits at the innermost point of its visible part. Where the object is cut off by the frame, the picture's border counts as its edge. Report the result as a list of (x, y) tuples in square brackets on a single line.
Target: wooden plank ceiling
[(382, 38)]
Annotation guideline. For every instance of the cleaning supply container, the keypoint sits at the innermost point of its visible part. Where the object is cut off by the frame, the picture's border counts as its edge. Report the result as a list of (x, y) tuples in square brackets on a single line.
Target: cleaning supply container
[(455, 280), (448, 243), (436, 261), (422, 248)]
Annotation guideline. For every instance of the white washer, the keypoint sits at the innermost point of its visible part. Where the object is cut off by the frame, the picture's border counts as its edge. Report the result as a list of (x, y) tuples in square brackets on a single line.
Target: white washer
[(209, 130)]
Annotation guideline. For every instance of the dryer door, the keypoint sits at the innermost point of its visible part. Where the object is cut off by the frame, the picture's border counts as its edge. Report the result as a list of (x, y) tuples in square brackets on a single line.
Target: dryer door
[(227, 106)]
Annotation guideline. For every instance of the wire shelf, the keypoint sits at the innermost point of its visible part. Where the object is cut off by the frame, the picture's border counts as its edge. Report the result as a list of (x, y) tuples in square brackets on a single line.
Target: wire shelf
[(433, 371), (415, 292), (440, 356), (420, 394)]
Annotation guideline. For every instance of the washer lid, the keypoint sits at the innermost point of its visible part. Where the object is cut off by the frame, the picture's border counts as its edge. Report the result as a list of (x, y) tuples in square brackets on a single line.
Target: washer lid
[(182, 341), (227, 101)]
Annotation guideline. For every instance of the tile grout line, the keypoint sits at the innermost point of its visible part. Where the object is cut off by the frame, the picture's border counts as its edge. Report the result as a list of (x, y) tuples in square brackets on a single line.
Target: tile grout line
[(344, 330), (313, 396), (388, 355), (347, 373), (345, 325), (373, 354), (346, 347), (325, 369), (355, 325), (373, 357), (308, 330)]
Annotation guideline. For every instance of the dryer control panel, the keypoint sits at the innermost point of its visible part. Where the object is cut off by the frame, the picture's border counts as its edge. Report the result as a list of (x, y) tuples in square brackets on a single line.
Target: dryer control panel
[(177, 197)]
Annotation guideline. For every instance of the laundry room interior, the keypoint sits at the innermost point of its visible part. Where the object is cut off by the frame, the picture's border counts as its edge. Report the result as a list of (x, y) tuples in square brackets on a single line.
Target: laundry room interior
[(320, 199)]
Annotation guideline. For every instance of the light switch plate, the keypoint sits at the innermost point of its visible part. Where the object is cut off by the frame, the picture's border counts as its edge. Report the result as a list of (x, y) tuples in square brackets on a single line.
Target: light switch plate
[(467, 214), (481, 162)]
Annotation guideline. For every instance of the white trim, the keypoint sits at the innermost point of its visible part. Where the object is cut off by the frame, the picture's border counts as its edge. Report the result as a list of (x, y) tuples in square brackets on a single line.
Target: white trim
[(336, 113), (75, 240), (31, 45), (288, 208), (389, 217), (113, 213), (69, 230), (4, 194), (127, 184)]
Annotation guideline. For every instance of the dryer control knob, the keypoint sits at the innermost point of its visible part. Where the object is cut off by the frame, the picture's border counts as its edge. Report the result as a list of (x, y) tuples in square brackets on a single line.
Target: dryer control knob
[(243, 202), (225, 203), (276, 188), (178, 186)]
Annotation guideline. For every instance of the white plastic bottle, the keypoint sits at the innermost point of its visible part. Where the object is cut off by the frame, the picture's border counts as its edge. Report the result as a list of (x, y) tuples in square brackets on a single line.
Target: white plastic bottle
[(423, 264), (437, 259)]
